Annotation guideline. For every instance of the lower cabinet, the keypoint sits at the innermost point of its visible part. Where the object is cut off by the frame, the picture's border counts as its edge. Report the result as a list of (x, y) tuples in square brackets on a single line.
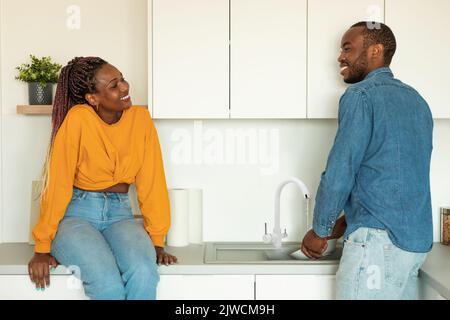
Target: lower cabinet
[(170, 287), (295, 287), (20, 287), (206, 287), (200, 287), (185, 287)]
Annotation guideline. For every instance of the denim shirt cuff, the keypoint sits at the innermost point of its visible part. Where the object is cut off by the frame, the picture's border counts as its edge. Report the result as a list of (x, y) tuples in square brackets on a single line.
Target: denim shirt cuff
[(322, 230)]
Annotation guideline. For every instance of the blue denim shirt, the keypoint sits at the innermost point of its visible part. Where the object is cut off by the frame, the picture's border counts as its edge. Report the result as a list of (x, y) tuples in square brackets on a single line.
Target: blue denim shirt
[(378, 168)]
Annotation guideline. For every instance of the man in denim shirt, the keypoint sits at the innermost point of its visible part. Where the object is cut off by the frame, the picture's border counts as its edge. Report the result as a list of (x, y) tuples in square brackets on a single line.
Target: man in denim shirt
[(378, 173)]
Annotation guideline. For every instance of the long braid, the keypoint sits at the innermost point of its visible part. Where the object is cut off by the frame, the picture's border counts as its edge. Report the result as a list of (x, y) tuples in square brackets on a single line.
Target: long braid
[(76, 79)]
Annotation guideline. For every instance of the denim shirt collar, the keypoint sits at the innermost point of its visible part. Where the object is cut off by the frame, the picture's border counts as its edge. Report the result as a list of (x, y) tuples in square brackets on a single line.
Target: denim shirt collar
[(378, 71)]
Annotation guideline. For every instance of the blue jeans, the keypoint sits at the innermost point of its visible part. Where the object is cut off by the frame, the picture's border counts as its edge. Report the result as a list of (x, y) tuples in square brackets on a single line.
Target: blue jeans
[(109, 250), (372, 267)]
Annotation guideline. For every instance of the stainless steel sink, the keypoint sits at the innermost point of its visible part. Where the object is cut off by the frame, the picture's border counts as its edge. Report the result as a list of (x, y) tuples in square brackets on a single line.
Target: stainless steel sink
[(261, 253)]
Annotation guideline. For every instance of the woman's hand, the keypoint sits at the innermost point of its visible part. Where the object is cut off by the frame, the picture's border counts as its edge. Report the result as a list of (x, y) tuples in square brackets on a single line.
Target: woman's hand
[(164, 257), (38, 269)]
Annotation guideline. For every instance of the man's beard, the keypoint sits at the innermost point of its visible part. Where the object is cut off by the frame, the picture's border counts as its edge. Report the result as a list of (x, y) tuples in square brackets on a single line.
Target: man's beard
[(358, 69)]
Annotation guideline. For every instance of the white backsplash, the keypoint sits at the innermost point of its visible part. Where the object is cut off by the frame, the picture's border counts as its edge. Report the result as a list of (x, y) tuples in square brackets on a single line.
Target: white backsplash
[(239, 198)]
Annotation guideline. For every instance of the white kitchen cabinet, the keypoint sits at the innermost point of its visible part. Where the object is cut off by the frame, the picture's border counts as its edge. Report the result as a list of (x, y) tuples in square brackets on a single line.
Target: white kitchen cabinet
[(422, 30), (206, 287), (327, 22), (268, 59), (295, 287), (190, 69), (170, 287), (20, 287)]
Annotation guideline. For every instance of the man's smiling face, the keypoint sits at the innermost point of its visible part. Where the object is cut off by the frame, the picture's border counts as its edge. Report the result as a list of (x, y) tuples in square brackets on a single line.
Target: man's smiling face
[(353, 59)]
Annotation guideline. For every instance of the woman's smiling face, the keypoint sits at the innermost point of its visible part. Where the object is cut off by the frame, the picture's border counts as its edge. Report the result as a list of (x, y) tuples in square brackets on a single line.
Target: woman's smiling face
[(112, 89)]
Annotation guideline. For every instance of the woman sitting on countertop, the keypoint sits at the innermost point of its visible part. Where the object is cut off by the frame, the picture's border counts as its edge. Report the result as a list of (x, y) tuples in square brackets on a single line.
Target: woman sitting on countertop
[(100, 144)]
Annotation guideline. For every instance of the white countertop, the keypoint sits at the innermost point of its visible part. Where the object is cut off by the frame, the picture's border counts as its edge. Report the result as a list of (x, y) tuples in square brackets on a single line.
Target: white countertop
[(436, 269), (14, 258)]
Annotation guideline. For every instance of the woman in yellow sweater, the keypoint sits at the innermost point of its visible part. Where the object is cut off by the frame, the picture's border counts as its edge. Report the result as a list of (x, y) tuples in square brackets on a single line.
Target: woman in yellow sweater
[(100, 144)]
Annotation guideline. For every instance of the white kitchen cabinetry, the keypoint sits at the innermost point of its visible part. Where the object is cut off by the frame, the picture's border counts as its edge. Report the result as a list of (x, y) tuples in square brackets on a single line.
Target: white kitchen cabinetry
[(327, 22), (170, 287), (199, 287), (206, 287), (20, 287), (422, 30), (268, 59), (295, 287), (190, 58)]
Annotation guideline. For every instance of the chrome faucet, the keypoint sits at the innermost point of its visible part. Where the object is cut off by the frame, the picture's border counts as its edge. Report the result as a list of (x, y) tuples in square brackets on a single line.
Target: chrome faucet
[(276, 237)]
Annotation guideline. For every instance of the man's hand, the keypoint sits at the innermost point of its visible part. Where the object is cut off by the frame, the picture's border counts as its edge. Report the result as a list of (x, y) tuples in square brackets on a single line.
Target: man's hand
[(313, 246), (164, 257)]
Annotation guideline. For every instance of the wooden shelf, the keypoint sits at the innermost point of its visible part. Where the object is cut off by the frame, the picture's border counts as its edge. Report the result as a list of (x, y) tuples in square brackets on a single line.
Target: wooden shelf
[(34, 109)]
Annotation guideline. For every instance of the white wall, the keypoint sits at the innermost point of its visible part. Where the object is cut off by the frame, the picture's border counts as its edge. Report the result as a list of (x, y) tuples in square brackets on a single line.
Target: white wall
[(238, 199), (1, 144), (113, 29), (440, 173)]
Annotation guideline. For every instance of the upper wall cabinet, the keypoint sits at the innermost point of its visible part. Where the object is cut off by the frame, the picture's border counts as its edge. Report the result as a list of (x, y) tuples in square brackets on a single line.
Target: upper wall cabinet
[(190, 58), (268, 58), (422, 30), (327, 22)]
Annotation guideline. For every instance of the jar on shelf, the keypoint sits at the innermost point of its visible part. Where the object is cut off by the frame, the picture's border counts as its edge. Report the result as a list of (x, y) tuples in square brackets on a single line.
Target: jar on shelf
[(445, 226)]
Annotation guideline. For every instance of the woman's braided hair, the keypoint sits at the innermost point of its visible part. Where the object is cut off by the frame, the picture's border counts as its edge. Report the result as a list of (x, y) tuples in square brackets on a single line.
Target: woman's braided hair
[(76, 79)]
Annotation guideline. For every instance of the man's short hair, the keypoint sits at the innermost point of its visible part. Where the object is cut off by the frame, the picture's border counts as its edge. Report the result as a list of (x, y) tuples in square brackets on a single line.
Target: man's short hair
[(379, 33)]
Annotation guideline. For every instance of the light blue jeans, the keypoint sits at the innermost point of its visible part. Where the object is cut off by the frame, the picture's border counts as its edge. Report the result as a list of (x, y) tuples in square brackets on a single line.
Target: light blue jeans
[(372, 268), (105, 247)]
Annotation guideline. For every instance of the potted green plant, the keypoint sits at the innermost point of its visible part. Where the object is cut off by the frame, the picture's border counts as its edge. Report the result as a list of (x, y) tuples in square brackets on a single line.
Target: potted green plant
[(40, 75)]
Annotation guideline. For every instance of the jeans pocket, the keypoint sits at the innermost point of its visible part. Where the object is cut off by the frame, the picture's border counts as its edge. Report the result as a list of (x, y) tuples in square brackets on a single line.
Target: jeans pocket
[(126, 202), (420, 260), (357, 238), (348, 242), (120, 209), (121, 203), (86, 208), (397, 265), (389, 269), (351, 267), (78, 194), (354, 251)]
